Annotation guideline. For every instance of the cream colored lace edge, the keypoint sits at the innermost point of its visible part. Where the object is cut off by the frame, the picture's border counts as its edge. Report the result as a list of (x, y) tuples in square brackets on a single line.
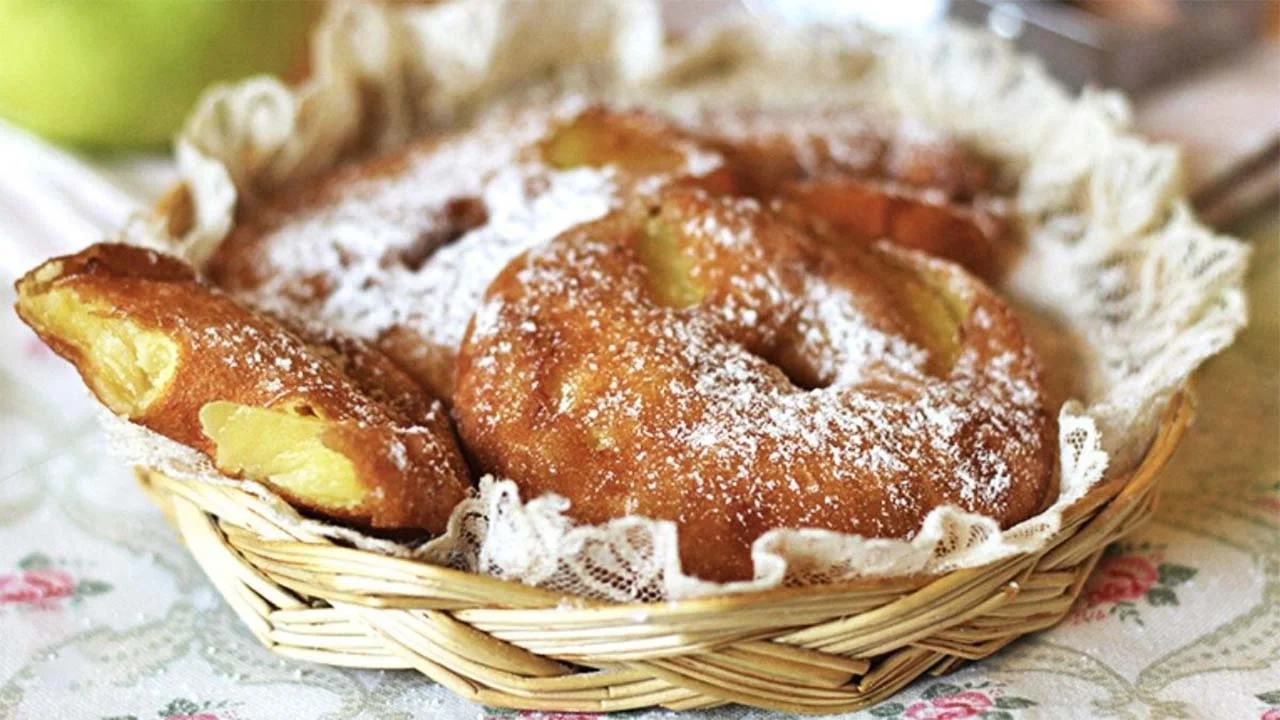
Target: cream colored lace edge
[(1133, 290)]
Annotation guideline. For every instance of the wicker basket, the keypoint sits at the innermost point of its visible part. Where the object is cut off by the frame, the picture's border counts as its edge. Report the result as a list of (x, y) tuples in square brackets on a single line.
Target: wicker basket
[(820, 649)]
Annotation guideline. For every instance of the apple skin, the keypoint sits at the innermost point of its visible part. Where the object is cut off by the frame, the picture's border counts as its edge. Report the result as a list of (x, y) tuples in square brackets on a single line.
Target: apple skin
[(109, 74)]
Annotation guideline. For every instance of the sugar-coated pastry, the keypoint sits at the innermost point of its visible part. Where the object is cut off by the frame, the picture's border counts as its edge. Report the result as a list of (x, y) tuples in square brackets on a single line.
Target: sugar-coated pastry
[(703, 360), (747, 321), (853, 179), (398, 250), (846, 209), (330, 424)]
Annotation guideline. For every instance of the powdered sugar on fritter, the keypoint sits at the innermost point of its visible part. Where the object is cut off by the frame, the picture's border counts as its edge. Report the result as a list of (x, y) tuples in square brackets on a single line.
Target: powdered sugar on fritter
[(351, 247), (679, 405)]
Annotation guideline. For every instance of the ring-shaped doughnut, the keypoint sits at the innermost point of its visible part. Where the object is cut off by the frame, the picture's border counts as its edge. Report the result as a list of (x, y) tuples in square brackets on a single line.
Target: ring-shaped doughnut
[(704, 361)]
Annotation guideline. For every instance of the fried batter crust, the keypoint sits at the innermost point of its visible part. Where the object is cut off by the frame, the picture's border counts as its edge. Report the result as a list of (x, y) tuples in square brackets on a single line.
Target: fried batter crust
[(157, 346), (851, 180), (704, 361), (432, 194)]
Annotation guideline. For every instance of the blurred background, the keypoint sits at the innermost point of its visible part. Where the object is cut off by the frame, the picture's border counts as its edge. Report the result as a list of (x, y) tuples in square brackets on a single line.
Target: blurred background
[(110, 81), (1201, 73), (92, 91)]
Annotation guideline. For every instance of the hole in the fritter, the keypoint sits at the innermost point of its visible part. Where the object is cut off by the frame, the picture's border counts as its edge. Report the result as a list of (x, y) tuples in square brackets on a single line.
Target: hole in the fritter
[(798, 369), (458, 217), (803, 378)]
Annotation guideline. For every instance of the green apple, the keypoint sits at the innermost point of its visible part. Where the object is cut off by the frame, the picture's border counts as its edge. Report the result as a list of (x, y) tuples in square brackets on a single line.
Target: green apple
[(124, 73)]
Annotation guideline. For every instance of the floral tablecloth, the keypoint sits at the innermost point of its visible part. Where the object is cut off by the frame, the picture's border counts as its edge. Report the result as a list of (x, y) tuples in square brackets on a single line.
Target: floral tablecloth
[(103, 614)]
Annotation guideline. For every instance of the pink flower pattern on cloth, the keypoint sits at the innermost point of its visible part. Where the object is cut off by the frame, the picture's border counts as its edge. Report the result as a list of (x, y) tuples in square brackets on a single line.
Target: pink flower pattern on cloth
[(989, 700), (40, 582), (35, 586), (950, 707), (1130, 578), (1117, 578), (1273, 700)]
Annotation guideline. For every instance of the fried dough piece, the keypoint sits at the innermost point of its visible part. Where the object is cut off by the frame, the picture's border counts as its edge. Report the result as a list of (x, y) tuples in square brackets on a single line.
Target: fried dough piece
[(398, 250), (331, 425), (841, 209), (850, 180), (704, 361)]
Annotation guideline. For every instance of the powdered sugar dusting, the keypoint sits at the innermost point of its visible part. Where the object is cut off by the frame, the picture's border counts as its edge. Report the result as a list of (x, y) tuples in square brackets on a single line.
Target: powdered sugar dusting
[(845, 343), (351, 246), (856, 141), (872, 450), (280, 365)]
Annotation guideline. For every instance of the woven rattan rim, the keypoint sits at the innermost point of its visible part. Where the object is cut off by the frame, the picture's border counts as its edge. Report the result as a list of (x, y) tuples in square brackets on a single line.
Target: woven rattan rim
[(820, 649)]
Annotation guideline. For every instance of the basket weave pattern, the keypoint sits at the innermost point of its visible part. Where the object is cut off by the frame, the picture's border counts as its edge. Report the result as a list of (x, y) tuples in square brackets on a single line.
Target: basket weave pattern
[(827, 648)]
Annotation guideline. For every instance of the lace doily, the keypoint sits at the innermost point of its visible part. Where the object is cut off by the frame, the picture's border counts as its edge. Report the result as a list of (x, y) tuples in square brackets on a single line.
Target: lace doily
[(1118, 275)]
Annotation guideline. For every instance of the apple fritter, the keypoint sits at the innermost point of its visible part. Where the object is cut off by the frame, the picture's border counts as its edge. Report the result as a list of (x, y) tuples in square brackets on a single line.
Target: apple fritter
[(702, 360), (853, 180), (332, 425), (399, 249)]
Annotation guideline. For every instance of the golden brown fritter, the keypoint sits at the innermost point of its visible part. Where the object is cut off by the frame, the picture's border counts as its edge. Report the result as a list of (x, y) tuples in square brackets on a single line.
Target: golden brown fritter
[(637, 339), (851, 180), (330, 424), (844, 209), (398, 250), (704, 361)]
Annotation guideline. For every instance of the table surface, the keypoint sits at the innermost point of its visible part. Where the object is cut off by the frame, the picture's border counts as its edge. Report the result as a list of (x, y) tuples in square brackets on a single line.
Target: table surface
[(104, 615)]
